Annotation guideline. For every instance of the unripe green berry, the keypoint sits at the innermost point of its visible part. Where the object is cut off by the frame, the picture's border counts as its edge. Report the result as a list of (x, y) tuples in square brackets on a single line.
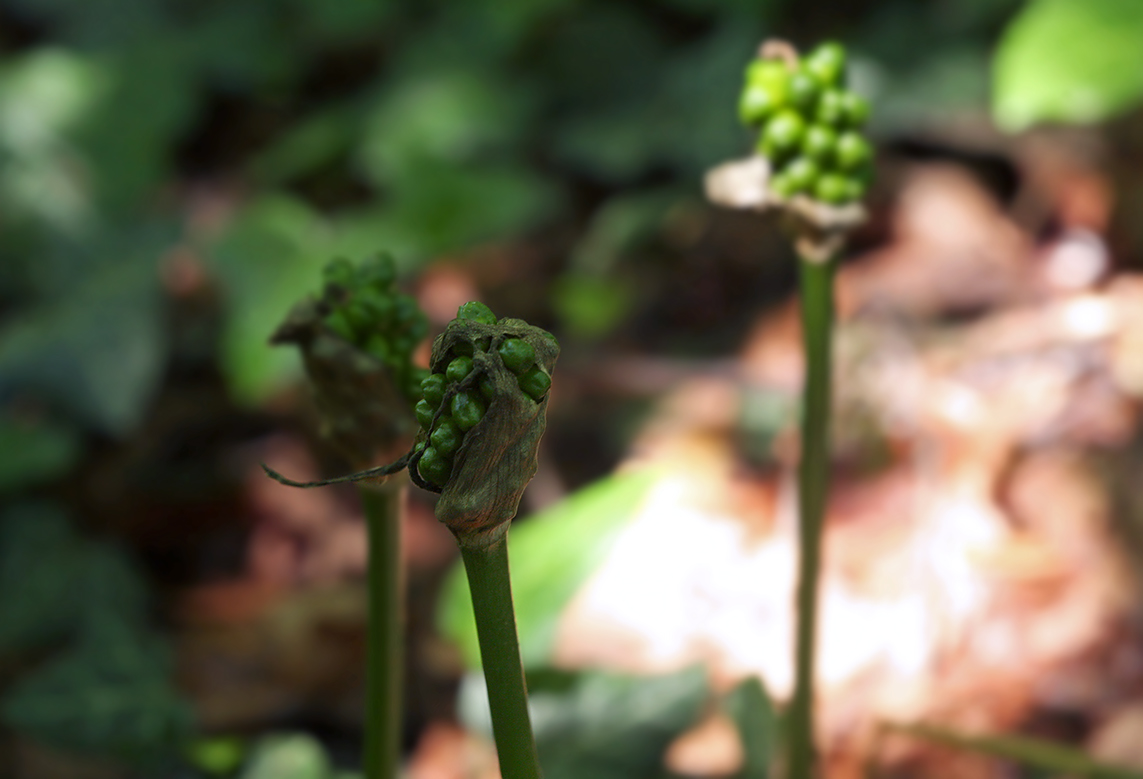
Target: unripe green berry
[(446, 438), (853, 151), (804, 90), (378, 272), (818, 143), (772, 75), (535, 383), (434, 467), (458, 369), (378, 346), (517, 354), (782, 186), (801, 172), (338, 322), (830, 110), (338, 273), (467, 410), (782, 134), (827, 63), (425, 413), (855, 108), (832, 188), (756, 104), (414, 382), (475, 311), (433, 388)]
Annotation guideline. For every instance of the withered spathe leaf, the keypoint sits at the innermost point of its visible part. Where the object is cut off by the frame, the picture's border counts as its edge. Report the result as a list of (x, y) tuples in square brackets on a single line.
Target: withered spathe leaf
[(364, 414), (498, 456)]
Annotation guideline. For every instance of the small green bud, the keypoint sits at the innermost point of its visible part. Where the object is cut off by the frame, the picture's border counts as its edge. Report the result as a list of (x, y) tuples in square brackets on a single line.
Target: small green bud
[(827, 63), (782, 134), (819, 142), (467, 410), (517, 354), (831, 108), (378, 272), (832, 188), (756, 104), (535, 383), (804, 90), (433, 388), (475, 311), (773, 75), (458, 369), (425, 412), (447, 436), (434, 467), (414, 381), (338, 322), (853, 151), (782, 186), (338, 273), (855, 108), (801, 172)]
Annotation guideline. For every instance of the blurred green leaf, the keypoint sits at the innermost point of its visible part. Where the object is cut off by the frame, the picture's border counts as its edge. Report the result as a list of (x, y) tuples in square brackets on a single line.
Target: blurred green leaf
[(270, 258), (601, 725), (66, 582), (590, 306), (111, 694), (552, 553), (32, 453), (1069, 61), (444, 116), (44, 95), (288, 756), (39, 551), (314, 142), (753, 714), (127, 138), (1033, 752), (98, 351), (217, 755), (649, 108)]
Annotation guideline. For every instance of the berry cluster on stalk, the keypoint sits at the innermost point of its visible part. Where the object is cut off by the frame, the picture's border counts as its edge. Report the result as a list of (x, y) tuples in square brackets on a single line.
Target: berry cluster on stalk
[(456, 397), (809, 124), (363, 307)]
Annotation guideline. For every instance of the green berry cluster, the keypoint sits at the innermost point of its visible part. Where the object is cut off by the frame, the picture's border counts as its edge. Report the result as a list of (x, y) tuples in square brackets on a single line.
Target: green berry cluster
[(809, 125), (456, 397), (363, 307)]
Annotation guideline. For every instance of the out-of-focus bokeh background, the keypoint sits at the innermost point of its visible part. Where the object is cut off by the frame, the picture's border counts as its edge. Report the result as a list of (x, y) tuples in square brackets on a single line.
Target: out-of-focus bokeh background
[(174, 174)]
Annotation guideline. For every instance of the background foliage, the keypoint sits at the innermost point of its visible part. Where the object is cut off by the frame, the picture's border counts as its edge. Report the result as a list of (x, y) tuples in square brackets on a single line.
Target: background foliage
[(248, 143)]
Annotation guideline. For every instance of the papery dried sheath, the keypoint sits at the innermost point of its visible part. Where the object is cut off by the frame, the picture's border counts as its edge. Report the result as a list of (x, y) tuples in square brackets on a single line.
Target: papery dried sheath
[(497, 458)]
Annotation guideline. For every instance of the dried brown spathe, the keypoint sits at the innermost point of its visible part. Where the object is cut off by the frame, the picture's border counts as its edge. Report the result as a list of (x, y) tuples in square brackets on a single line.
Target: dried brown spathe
[(497, 458)]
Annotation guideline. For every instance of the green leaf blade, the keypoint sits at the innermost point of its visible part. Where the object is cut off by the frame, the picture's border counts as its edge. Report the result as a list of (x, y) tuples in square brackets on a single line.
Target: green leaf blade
[(1071, 61)]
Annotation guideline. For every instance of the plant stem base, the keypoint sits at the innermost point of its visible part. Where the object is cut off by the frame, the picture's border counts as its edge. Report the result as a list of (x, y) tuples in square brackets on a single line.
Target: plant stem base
[(487, 570)]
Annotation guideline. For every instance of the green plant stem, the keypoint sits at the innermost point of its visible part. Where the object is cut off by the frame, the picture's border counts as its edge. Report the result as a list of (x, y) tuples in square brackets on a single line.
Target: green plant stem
[(813, 485), (487, 570), (385, 663)]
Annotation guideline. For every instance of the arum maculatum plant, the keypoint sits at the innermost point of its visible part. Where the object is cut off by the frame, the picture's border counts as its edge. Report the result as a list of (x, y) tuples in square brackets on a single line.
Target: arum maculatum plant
[(357, 342), (812, 165), (481, 413)]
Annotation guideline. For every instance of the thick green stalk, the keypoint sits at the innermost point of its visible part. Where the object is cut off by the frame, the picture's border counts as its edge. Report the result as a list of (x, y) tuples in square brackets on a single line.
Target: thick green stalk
[(813, 484), (487, 569), (385, 663)]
